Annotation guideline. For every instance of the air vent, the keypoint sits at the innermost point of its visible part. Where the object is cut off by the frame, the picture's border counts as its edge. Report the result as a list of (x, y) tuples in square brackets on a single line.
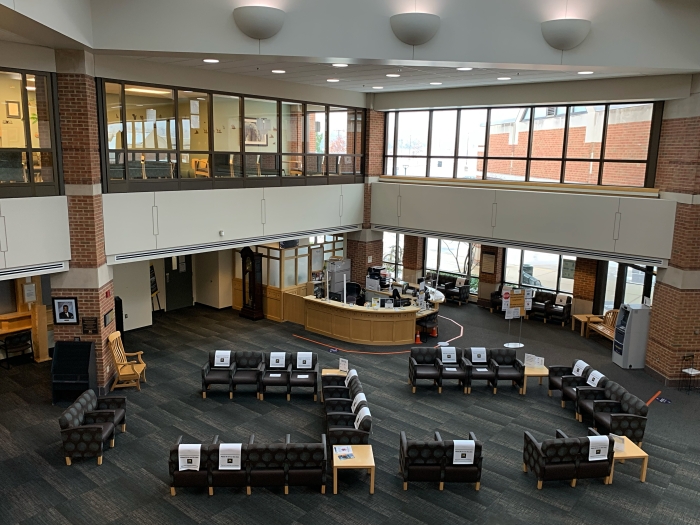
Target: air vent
[(39, 269), (214, 246), (590, 254)]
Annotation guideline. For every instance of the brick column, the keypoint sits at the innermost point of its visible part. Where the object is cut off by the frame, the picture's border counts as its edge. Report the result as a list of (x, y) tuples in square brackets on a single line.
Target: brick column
[(89, 278), (584, 285), (368, 243), (488, 282), (675, 316), (413, 251)]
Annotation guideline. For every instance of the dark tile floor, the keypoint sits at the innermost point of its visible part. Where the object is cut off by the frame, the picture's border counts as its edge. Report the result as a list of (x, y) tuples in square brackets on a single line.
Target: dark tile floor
[(132, 484)]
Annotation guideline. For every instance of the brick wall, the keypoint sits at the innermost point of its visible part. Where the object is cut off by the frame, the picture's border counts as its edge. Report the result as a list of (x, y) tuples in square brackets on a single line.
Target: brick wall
[(358, 252), (584, 278), (678, 165), (367, 212), (374, 143), (86, 224), (495, 277), (413, 249)]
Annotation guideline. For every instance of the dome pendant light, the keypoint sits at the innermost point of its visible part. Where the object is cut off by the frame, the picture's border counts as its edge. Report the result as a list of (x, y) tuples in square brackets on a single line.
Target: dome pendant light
[(259, 22), (415, 28), (565, 33)]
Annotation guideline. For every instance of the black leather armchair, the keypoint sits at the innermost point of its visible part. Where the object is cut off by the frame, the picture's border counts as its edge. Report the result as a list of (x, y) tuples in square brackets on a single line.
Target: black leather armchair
[(18, 343), (477, 371), (421, 460), (227, 478), (626, 417), (304, 376), (341, 429), (507, 367), (459, 473), (457, 370), (307, 464), (275, 374), (561, 313), (248, 367), (188, 478), (266, 465), (497, 298), (459, 292), (552, 459), (422, 364), (217, 375), (541, 301)]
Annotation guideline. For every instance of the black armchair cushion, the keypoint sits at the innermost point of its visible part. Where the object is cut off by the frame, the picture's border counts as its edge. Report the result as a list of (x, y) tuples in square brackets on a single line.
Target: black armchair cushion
[(420, 460), (594, 469), (245, 377), (266, 464), (73, 416), (503, 356), (218, 376), (614, 391), (188, 478), (227, 478), (307, 463), (248, 359)]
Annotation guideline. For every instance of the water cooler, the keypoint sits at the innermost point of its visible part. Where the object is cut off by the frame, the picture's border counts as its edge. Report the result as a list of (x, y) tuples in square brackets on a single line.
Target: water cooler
[(631, 335)]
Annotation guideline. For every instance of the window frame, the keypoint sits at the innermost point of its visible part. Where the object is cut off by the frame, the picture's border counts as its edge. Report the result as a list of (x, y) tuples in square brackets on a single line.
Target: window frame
[(519, 284), (212, 182), (438, 270), (398, 262), (649, 162)]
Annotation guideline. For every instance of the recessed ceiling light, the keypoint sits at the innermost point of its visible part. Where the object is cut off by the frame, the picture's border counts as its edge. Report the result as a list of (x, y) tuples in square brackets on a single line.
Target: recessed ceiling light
[(201, 98), (503, 78), (332, 80), (393, 75), (377, 87), (211, 60), (31, 88), (436, 83), (187, 91), (585, 72), (149, 91), (340, 65), (464, 68), (278, 71)]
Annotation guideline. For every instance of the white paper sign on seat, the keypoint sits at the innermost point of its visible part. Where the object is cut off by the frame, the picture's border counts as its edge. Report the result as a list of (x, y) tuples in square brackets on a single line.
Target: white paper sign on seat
[(464, 452), (222, 358), (598, 448), (277, 359), (188, 456), (449, 354), (230, 456), (478, 355), (358, 399), (363, 413), (304, 359), (579, 367), (594, 378), (352, 373)]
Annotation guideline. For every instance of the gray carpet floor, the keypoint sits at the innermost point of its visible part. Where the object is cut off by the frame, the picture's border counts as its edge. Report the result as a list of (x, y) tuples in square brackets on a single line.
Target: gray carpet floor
[(132, 484)]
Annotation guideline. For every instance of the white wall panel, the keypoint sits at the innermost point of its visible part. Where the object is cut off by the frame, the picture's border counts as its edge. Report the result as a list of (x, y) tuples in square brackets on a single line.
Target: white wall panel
[(36, 230), (353, 209), (556, 219), (132, 283), (646, 227), (427, 207), (193, 217), (301, 208), (128, 222), (385, 198)]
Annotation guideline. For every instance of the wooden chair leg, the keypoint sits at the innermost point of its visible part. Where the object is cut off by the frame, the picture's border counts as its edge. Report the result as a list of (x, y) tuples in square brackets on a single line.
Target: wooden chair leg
[(549, 393), (172, 491), (230, 395), (405, 485), (286, 490), (138, 384), (99, 460), (563, 403), (68, 461), (469, 390), (111, 443), (315, 398), (323, 489), (494, 391), (211, 491), (539, 485), (525, 467), (477, 486), (288, 397), (573, 483), (123, 427), (439, 390), (204, 395), (247, 491), (413, 390), (442, 485)]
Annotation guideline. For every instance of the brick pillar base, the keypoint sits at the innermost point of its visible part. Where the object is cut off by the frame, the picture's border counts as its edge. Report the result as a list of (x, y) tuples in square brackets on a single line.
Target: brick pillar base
[(488, 282), (584, 285), (360, 247), (413, 250)]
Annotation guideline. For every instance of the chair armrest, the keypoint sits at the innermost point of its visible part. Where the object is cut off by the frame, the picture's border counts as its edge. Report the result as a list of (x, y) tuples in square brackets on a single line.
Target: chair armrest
[(336, 392), (559, 371), (178, 440), (438, 437), (607, 406), (130, 354), (465, 363), (519, 366), (287, 439), (215, 440), (590, 392), (252, 439), (111, 402), (94, 431), (206, 369), (472, 436), (493, 364), (592, 432), (538, 446), (559, 434), (412, 361), (338, 404), (438, 363), (577, 381), (261, 368), (402, 443), (325, 447), (99, 416)]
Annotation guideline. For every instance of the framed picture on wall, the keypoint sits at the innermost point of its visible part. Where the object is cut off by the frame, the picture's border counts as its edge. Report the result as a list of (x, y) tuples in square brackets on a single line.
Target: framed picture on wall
[(65, 310), (255, 132), (12, 109)]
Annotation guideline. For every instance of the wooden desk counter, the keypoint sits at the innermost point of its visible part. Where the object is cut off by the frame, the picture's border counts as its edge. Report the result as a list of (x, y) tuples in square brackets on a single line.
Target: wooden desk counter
[(359, 324)]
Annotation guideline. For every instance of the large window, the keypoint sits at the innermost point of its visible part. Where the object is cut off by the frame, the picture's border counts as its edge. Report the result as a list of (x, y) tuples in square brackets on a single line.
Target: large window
[(541, 270), (27, 141), (392, 259), (159, 137), (627, 284), (454, 259), (605, 144)]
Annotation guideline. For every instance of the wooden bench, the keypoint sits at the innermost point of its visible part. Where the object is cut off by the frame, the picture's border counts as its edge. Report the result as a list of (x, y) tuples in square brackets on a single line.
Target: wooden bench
[(606, 328)]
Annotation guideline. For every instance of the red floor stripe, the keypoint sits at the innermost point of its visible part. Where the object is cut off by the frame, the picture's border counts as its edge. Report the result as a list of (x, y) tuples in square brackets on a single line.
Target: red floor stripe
[(653, 397)]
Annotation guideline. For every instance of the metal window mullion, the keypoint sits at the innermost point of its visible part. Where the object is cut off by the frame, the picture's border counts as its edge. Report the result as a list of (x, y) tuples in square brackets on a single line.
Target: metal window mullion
[(178, 132), (328, 143), (456, 152), (653, 146), (522, 262), (565, 145), (484, 169), (27, 130), (561, 262), (396, 140), (530, 137), (56, 147), (602, 144), (429, 151)]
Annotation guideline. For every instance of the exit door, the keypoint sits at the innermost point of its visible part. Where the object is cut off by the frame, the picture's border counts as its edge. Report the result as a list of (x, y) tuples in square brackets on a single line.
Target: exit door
[(178, 282)]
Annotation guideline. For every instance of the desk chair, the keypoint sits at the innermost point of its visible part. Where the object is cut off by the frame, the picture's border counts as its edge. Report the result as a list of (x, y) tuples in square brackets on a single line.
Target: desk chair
[(426, 324), (17, 344), (352, 292)]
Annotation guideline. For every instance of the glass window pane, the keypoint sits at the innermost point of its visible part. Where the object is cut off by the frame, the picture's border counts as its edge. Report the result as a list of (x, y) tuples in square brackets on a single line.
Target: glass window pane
[(512, 266), (454, 256), (341, 164), (410, 167), (228, 165), (390, 166), (629, 128), (113, 111), (653, 287), (315, 128), (444, 132), (274, 272), (392, 252), (193, 112), (290, 274), (264, 270), (227, 123), (581, 172), (152, 165), (508, 133), (38, 102), (585, 132), (443, 168), (540, 270), (150, 117), (475, 261), (624, 174), (292, 127), (194, 165), (634, 286), (431, 253), (42, 166), (610, 284), (358, 133), (338, 123), (506, 169), (262, 165), (472, 132), (545, 171), (116, 165), (568, 266), (12, 121), (470, 169), (292, 165), (260, 125), (13, 166), (391, 117), (548, 133), (412, 133), (315, 165), (302, 270)]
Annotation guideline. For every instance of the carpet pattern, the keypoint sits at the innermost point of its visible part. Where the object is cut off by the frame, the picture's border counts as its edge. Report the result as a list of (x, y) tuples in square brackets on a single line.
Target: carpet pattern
[(132, 484)]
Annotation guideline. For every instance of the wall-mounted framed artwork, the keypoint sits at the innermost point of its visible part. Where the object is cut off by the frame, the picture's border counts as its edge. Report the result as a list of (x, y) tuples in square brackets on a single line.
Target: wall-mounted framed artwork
[(65, 310)]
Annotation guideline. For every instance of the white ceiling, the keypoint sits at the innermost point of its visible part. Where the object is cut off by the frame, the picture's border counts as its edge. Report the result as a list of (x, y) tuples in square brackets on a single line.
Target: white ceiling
[(362, 77)]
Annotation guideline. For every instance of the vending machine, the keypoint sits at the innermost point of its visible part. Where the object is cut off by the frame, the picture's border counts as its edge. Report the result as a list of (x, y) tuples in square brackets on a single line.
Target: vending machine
[(631, 335)]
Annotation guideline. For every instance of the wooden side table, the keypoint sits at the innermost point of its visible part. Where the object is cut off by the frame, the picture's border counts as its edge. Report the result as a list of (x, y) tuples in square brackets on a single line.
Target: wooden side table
[(584, 319), (364, 459), (533, 371), (630, 451)]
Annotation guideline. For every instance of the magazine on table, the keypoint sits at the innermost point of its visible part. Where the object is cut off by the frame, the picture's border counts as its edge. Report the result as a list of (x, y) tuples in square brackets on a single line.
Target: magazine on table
[(342, 449)]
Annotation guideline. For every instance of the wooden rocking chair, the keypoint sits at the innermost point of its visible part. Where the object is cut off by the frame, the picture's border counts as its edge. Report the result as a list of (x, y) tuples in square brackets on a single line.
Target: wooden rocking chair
[(129, 373)]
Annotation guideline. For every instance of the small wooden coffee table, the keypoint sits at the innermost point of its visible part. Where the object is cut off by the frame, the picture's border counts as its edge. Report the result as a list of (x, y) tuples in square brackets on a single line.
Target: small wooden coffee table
[(533, 371), (584, 319), (630, 451), (332, 372), (364, 459)]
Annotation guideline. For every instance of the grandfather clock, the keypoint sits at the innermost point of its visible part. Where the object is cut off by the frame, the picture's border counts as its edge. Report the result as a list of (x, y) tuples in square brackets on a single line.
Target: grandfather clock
[(252, 284)]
